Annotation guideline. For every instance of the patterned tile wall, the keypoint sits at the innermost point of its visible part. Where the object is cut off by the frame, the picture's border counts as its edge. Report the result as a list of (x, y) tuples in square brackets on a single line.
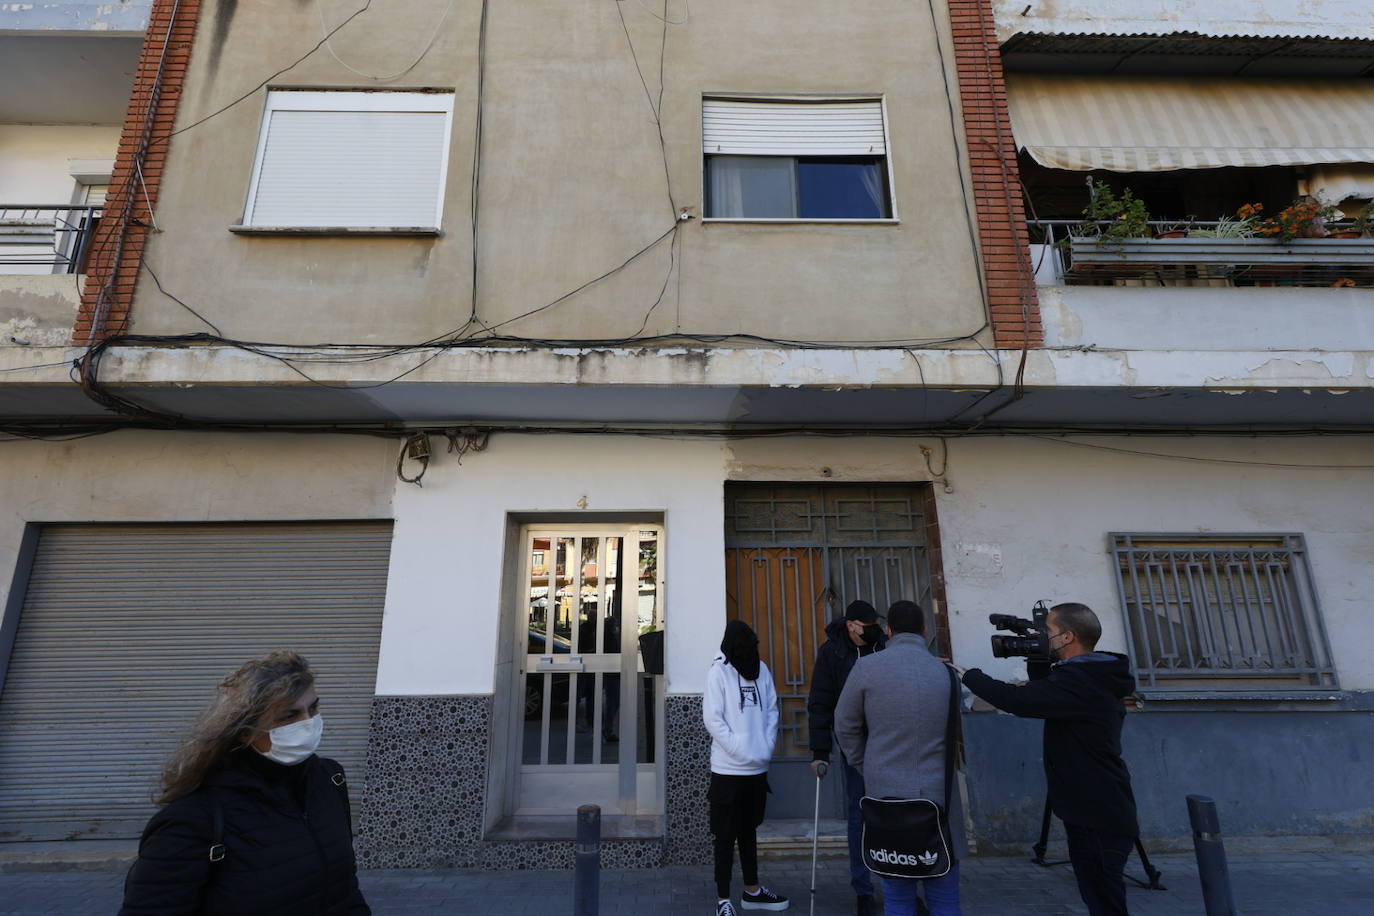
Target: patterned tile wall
[(426, 782), (427, 771), (688, 839)]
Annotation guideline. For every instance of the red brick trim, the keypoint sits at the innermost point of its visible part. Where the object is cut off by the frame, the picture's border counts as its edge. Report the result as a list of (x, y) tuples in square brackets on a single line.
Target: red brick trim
[(117, 247), (1008, 274), (935, 559)]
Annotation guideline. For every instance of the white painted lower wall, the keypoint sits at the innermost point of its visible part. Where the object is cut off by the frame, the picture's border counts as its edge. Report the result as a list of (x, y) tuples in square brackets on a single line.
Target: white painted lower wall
[(1021, 519), (442, 621)]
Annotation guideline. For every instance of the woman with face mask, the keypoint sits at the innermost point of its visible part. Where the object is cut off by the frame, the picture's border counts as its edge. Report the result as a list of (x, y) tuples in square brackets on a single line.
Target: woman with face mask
[(254, 821)]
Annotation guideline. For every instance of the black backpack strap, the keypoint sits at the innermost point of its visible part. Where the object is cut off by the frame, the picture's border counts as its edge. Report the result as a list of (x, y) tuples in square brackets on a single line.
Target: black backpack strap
[(341, 783), (953, 736), (217, 832)]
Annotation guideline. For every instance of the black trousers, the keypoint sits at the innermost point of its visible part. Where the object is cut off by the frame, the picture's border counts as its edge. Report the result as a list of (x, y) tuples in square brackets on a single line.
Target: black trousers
[(1099, 863), (737, 806)]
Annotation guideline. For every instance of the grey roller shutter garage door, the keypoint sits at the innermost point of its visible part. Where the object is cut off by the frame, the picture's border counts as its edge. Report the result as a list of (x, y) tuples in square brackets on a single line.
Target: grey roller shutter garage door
[(127, 629)]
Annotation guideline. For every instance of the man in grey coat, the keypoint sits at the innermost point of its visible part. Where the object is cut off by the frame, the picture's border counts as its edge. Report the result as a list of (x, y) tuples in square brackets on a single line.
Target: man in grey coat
[(890, 723)]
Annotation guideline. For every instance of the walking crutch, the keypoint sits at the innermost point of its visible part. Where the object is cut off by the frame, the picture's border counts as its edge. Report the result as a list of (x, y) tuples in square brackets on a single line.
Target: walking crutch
[(816, 833)]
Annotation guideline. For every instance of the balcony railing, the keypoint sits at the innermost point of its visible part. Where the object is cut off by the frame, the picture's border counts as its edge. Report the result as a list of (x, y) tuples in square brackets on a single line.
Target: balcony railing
[(1063, 256), (46, 238)]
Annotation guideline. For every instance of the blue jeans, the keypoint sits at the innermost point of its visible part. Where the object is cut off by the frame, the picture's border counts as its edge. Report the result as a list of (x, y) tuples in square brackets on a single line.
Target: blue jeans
[(860, 878), (942, 894)]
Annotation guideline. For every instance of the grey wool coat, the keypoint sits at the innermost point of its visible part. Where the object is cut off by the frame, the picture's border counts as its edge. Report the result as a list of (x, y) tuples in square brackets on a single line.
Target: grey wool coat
[(890, 723)]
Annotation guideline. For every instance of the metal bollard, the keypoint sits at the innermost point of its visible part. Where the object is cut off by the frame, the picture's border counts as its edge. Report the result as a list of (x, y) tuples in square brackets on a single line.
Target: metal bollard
[(587, 859), (1217, 899)]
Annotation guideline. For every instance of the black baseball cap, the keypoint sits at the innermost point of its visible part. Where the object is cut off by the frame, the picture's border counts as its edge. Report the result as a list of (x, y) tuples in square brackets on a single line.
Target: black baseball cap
[(862, 611)]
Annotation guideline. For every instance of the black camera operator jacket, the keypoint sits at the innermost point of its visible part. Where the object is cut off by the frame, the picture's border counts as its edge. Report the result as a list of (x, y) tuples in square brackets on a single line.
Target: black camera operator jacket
[(1080, 702)]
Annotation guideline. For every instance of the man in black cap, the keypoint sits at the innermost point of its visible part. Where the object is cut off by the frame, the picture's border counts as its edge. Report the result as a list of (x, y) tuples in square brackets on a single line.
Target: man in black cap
[(849, 638)]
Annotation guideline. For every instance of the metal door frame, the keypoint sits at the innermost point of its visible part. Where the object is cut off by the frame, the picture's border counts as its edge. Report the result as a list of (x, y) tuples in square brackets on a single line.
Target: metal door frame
[(633, 778)]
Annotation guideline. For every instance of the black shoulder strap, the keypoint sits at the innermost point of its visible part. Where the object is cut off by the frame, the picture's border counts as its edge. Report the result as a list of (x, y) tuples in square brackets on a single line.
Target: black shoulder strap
[(953, 735), (217, 833), (341, 783)]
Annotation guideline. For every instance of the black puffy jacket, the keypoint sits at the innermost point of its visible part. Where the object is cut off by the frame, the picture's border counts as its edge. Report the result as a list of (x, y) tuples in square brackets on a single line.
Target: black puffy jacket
[(834, 661), (287, 837)]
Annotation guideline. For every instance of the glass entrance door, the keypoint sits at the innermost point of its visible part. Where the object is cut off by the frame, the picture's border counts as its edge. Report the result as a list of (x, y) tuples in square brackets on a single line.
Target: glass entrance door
[(592, 712)]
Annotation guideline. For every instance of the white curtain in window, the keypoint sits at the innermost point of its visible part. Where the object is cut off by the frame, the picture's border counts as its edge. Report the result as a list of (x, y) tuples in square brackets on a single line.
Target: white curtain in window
[(753, 187), (873, 185)]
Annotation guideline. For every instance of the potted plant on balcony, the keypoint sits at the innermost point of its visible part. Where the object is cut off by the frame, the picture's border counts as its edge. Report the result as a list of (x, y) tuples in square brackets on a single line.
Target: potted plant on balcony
[(1302, 219), (1112, 218), (1362, 224), (1240, 226)]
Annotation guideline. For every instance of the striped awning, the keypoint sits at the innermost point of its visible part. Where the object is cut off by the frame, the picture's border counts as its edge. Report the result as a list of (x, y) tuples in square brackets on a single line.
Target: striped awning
[(1157, 124)]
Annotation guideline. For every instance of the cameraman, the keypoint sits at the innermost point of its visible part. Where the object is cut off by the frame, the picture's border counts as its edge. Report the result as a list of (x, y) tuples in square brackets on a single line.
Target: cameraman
[(1089, 785)]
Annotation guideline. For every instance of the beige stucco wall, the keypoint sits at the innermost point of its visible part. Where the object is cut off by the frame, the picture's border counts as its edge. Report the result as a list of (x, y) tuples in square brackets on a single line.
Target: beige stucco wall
[(572, 178), (38, 309), (137, 476), (35, 159)]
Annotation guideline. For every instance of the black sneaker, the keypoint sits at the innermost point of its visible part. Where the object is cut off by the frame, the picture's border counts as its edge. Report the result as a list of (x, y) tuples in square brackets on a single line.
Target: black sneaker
[(763, 900), (868, 905), (725, 908)]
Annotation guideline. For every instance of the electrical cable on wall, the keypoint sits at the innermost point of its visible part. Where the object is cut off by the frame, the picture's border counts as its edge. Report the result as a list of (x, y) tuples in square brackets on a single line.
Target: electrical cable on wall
[(487, 335), (429, 45)]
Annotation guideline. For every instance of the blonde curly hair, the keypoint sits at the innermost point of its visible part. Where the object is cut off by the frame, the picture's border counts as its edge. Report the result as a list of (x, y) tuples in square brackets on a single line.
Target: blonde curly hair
[(248, 696)]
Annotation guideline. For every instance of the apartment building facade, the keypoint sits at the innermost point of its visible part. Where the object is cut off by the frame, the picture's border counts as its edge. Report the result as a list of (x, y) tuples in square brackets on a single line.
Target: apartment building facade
[(495, 357)]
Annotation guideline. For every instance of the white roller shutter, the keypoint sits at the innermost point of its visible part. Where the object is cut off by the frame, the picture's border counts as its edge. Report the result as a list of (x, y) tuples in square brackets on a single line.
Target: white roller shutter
[(751, 128), (127, 629), (351, 160)]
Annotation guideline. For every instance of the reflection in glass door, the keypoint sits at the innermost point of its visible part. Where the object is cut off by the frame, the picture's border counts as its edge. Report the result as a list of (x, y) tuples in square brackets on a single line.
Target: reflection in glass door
[(591, 711)]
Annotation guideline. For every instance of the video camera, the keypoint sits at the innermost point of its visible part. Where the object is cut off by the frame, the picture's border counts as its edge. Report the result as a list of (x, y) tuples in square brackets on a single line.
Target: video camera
[(1031, 642)]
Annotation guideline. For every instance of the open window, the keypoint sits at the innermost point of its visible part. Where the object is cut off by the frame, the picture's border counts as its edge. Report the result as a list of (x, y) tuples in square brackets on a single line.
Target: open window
[(795, 160)]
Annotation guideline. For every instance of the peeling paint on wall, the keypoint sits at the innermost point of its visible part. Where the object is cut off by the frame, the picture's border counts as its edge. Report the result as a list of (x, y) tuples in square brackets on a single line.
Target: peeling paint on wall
[(120, 16)]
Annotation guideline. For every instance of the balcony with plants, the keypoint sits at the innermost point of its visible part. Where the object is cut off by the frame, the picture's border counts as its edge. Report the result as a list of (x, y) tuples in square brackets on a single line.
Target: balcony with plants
[(1309, 242)]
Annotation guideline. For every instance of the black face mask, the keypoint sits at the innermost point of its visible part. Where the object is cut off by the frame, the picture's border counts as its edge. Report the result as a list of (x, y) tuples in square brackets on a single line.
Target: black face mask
[(870, 634)]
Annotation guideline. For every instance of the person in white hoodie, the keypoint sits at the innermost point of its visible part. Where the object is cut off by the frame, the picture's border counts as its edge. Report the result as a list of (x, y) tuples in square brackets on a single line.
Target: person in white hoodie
[(741, 713)]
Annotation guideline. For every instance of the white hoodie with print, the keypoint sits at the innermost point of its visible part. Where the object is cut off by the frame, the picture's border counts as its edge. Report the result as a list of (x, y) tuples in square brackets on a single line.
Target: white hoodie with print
[(742, 717)]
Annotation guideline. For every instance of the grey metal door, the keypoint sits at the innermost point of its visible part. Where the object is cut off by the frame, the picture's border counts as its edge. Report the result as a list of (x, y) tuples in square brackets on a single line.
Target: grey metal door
[(126, 629), (796, 556)]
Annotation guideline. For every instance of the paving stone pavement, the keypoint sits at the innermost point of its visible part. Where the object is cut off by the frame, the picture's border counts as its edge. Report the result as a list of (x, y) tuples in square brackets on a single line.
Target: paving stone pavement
[(1266, 884)]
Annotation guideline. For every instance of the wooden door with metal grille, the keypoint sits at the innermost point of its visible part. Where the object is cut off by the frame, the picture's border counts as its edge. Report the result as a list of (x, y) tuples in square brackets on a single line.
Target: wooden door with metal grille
[(796, 556)]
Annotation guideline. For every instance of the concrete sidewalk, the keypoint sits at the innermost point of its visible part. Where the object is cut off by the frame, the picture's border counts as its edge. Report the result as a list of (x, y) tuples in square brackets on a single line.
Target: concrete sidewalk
[(1266, 884)]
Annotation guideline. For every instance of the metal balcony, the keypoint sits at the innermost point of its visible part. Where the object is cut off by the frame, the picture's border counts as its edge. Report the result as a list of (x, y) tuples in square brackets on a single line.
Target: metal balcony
[(46, 238), (1073, 259)]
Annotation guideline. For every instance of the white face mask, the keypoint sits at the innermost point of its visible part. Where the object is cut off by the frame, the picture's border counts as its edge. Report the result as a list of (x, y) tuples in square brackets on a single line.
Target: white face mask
[(295, 742)]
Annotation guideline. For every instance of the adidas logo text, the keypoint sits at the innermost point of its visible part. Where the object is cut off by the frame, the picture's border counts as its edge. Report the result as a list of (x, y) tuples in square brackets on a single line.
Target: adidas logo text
[(891, 857)]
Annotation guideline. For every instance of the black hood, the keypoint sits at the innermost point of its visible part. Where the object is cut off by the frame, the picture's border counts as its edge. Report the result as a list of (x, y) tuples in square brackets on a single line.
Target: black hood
[(741, 649), (1110, 670)]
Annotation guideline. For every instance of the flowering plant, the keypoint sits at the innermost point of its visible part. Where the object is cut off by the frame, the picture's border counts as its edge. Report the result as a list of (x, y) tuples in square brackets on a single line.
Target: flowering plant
[(1301, 219)]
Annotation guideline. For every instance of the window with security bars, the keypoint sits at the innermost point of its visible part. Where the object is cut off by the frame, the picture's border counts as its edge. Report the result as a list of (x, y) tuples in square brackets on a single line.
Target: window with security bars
[(1230, 613)]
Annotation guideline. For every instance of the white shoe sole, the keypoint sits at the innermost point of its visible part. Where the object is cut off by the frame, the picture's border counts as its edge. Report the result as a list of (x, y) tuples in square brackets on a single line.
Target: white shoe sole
[(745, 904)]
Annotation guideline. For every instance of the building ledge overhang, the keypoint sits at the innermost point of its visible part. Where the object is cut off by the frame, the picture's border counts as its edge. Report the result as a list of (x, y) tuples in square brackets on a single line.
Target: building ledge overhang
[(713, 387)]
